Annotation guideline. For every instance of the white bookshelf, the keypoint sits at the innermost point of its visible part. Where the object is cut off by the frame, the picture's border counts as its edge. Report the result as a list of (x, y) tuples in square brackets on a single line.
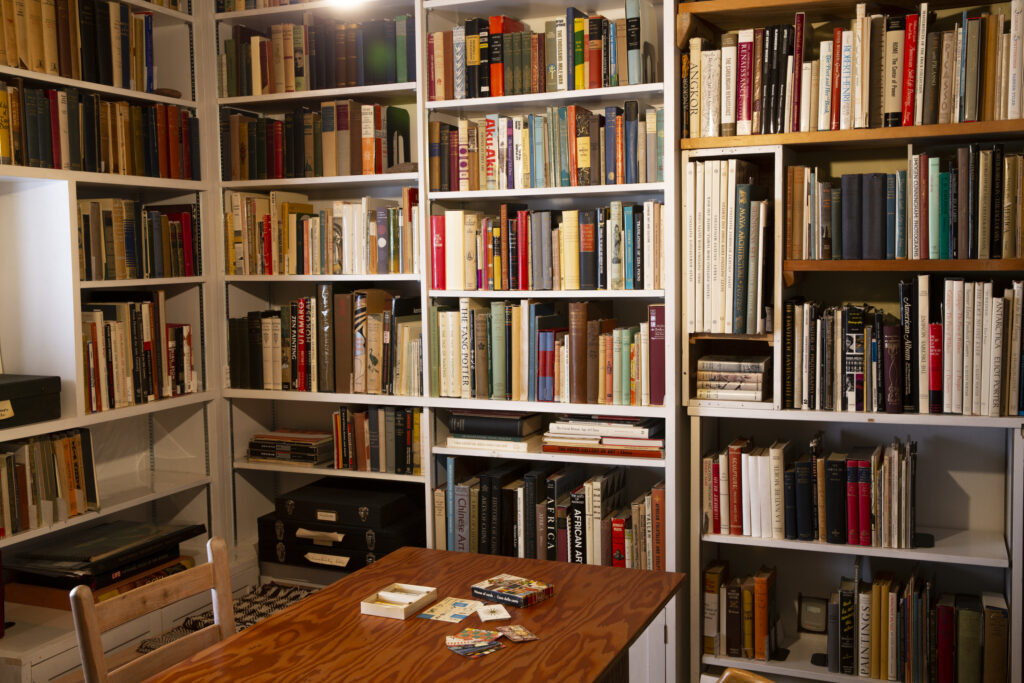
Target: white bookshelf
[(549, 293), (326, 472), (379, 93), (588, 97), (624, 190), (359, 182)]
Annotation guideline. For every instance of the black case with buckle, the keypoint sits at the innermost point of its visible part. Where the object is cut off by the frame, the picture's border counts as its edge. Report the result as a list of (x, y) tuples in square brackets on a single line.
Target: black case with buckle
[(33, 398), (339, 503)]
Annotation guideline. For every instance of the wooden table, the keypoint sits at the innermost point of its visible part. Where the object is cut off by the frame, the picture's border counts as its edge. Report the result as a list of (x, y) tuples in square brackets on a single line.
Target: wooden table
[(585, 629)]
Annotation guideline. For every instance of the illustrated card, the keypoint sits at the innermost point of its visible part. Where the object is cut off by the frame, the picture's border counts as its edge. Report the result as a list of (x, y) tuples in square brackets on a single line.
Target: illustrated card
[(517, 633), (452, 610), (493, 612)]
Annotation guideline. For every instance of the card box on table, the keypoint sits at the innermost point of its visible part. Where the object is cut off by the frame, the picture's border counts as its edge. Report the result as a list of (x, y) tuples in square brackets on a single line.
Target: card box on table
[(372, 604)]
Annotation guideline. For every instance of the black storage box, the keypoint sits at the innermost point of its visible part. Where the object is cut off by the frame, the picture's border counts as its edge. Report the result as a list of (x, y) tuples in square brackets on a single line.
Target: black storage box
[(318, 543), (25, 399), (335, 504)]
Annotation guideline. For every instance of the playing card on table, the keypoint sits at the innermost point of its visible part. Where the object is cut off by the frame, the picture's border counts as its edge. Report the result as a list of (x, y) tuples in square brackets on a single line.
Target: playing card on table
[(517, 633), (493, 612), (471, 636)]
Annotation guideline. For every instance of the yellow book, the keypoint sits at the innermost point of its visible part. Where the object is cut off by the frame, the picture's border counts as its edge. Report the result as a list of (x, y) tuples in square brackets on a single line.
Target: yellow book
[(570, 232), (579, 25), (34, 30), (876, 628), (748, 617), (51, 62), (516, 354), (5, 128)]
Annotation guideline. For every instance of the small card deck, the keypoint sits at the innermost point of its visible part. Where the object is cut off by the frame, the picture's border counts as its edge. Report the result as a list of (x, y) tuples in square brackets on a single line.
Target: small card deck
[(517, 633)]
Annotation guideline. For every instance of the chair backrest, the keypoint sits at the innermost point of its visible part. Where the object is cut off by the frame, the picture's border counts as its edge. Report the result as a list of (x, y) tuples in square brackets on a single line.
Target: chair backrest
[(92, 618), (731, 675)]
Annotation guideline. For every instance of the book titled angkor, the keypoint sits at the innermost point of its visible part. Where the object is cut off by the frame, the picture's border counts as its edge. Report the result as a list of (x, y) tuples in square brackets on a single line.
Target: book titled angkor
[(513, 590)]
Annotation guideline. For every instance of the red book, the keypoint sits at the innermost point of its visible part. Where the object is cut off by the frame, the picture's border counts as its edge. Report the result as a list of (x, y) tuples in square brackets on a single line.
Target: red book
[(278, 149), (186, 239), (595, 49), (864, 496), (268, 242), (51, 96), (431, 95), (837, 60), (618, 541), (798, 61), (909, 70), (716, 518), (935, 367), (945, 617), (852, 502), (656, 353), (736, 486), (499, 25), (744, 83), (437, 252), (523, 247), (574, 178)]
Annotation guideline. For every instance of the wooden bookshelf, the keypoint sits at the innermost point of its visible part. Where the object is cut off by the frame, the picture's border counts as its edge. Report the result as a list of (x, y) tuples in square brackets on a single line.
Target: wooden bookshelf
[(790, 268)]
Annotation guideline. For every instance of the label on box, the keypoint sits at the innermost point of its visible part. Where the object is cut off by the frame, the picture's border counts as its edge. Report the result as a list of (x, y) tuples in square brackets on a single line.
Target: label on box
[(321, 558), (326, 516), (6, 410)]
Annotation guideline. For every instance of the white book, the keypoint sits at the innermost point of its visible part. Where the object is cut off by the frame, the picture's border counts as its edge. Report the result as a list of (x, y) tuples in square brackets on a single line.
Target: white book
[(957, 59), (986, 351), (745, 488), (846, 83), (787, 119), (798, 355), (454, 229), (1004, 80), (825, 85), (947, 345), (1013, 406), (805, 97), (967, 373), (922, 40), (723, 491), (689, 255), (777, 457), (766, 497), (946, 76), (710, 182), (458, 61), (753, 483), (865, 66), (644, 362), (956, 358), (517, 152), (502, 154), (815, 92), (922, 344), (1013, 91), (698, 254), (728, 88), (995, 405), (803, 355), (710, 92), (979, 343), (648, 237), (723, 232), (730, 245), (560, 64), (716, 245), (997, 108)]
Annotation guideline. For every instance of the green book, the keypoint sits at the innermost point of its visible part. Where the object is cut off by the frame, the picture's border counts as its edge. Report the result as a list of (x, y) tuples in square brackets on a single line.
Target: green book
[(944, 215), (968, 639), (628, 335), (550, 56), (497, 359), (435, 359), (401, 48), (563, 149), (231, 54), (509, 63)]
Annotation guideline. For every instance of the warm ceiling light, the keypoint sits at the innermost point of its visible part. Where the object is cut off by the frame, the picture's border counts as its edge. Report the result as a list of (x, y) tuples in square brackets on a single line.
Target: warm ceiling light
[(347, 3)]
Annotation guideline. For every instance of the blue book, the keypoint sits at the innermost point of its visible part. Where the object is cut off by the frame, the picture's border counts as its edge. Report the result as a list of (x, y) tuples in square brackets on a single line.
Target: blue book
[(634, 56), (157, 240), (813, 234), (571, 13), (805, 529), (741, 249), (944, 215), (660, 118), (901, 214), (536, 309), (537, 161), (851, 244), (126, 49), (532, 142), (449, 518), (629, 144), (546, 388), (890, 216), (611, 114), (627, 228), (613, 65), (148, 29)]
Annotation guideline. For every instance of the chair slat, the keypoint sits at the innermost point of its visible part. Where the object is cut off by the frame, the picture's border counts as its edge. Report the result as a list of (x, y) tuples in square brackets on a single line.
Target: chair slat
[(166, 656), (153, 596)]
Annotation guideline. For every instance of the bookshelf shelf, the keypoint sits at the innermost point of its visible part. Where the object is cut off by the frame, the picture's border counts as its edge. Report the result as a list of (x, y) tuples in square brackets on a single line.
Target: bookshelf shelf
[(141, 282), (326, 182), (125, 93), (322, 397), (869, 137), (268, 15), (160, 11), (590, 97), (952, 546), (545, 294), (791, 267), (388, 92), (169, 484), (698, 336), (548, 407), (325, 472), (798, 663), (388, 277), (102, 179), (607, 460), (557, 192), (741, 410)]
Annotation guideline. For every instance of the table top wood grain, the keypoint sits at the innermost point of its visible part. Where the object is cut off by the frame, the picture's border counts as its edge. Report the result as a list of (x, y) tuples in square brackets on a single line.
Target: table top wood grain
[(595, 613)]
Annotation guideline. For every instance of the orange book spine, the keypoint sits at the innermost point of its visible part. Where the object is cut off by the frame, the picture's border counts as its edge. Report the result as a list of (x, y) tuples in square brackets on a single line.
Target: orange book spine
[(658, 526), (761, 618), (609, 371), (368, 138)]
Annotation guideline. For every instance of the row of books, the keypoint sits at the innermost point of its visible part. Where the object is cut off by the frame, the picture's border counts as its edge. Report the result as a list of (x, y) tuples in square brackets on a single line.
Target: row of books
[(317, 54), (500, 56), (65, 129), (284, 233), (46, 480), (885, 70), (120, 239), (612, 247), (543, 511), (740, 613), (132, 353), (970, 210), (567, 146), (864, 497), (240, 5), (729, 241), (538, 351), (723, 377), (333, 138), (956, 350), (366, 342), (99, 41), (372, 439)]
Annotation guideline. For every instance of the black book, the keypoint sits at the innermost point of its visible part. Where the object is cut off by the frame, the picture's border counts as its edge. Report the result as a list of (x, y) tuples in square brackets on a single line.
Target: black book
[(30, 125), (588, 266), (766, 73), (908, 333), (497, 521), (789, 502), (785, 50), (74, 130), (390, 53), (601, 247), (835, 498), (445, 133), (104, 66), (996, 233), (638, 247), (472, 61), (788, 352), (577, 541), (954, 208), (557, 485), (972, 201), (873, 219), (805, 496), (848, 626), (485, 58), (87, 31), (534, 494), (287, 141), (853, 217), (255, 328)]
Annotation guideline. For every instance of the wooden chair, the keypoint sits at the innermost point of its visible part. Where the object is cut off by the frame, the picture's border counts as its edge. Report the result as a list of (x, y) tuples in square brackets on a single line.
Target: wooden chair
[(92, 618), (731, 675)]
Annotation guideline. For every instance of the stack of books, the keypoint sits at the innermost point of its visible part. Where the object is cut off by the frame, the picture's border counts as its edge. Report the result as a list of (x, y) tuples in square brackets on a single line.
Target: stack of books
[(284, 233), (621, 436), (512, 590), (885, 70), (377, 439), (120, 239), (64, 128), (607, 247), (734, 378), (305, 448), (728, 247), (331, 138), (87, 40), (954, 350), (554, 356), (740, 613), (496, 56), (317, 54), (567, 146), (131, 353), (492, 430), (46, 480), (365, 342), (969, 210), (866, 496)]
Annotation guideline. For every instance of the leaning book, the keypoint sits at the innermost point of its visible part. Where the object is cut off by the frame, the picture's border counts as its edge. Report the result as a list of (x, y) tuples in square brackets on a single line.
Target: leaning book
[(513, 590)]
